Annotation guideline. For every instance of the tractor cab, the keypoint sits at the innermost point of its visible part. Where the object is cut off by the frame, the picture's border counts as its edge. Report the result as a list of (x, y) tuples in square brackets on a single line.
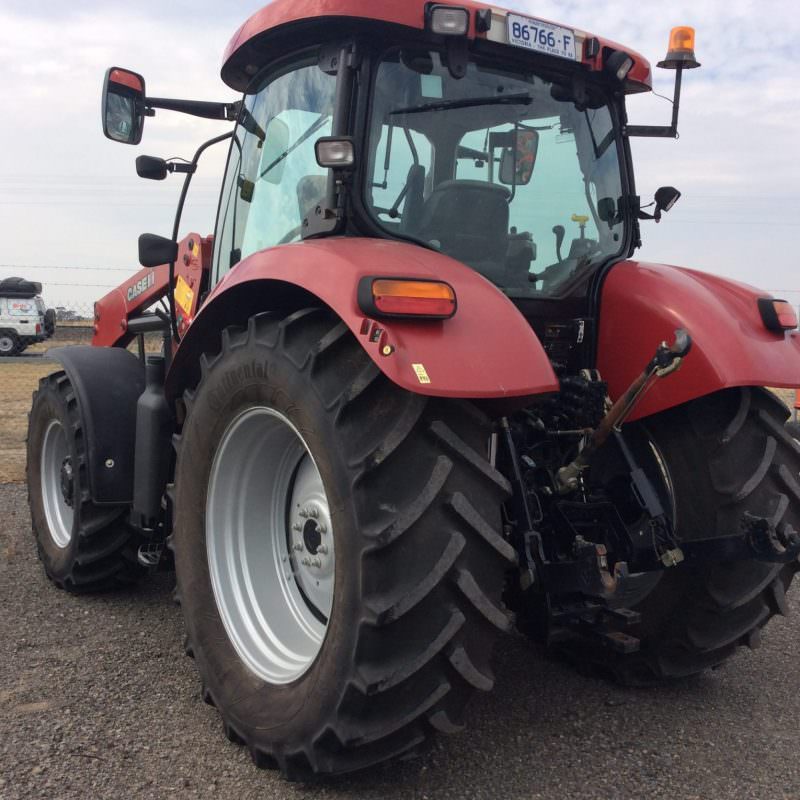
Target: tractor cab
[(470, 137)]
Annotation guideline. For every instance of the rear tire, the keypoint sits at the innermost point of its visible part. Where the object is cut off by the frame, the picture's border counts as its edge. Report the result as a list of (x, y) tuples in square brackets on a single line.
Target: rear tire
[(419, 561), (728, 454), (83, 547)]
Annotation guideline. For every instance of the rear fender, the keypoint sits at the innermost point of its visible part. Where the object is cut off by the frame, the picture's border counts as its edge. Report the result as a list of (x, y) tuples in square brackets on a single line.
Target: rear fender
[(107, 382), (487, 350), (642, 305)]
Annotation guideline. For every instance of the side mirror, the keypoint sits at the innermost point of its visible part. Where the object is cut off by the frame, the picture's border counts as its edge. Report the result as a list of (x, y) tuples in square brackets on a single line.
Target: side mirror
[(156, 250), (517, 161), (151, 168), (665, 198), (123, 109)]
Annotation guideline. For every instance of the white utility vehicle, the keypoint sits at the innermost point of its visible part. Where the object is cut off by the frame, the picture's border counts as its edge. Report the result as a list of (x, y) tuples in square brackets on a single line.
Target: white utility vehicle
[(24, 318)]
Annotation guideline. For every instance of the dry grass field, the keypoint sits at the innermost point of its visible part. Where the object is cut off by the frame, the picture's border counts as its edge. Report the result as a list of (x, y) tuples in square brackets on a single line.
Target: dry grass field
[(17, 383)]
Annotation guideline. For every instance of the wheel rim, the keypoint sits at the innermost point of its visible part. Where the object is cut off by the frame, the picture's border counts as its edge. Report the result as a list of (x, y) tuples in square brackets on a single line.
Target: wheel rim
[(270, 545), (57, 484), (6, 345)]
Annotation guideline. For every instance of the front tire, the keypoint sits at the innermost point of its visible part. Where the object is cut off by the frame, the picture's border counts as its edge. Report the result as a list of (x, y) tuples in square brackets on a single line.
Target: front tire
[(83, 547), (416, 558)]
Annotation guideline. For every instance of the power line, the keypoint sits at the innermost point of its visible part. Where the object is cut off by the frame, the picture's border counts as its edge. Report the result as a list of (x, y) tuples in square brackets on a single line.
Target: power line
[(70, 269)]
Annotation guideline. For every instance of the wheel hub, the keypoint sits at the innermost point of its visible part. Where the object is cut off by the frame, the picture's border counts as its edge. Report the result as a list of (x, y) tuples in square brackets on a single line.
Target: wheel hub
[(67, 481)]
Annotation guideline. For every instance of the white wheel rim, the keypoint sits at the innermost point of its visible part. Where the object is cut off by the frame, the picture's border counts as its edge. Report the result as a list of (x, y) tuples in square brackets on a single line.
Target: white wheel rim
[(55, 459), (269, 542)]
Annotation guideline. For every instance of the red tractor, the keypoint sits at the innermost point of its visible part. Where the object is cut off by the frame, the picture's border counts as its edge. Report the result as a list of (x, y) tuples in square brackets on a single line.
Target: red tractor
[(418, 390)]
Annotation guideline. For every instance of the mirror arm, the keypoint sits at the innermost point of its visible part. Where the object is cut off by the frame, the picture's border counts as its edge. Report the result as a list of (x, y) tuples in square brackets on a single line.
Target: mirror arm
[(197, 108), (192, 166)]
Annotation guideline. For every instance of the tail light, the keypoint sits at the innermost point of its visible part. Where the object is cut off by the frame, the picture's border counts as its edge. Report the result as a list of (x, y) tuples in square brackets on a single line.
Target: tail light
[(406, 297), (778, 315), (38, 328)]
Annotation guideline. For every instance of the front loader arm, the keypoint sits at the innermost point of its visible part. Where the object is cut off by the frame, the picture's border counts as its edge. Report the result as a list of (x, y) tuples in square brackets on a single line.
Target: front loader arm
[(147, 286)]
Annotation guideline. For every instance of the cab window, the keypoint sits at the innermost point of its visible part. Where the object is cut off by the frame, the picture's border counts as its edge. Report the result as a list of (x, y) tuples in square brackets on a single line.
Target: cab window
[(273, 181)]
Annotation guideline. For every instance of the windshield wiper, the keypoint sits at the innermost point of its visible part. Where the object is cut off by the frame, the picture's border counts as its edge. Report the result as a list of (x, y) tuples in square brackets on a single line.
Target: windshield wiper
[(520, 98), (323, 118)]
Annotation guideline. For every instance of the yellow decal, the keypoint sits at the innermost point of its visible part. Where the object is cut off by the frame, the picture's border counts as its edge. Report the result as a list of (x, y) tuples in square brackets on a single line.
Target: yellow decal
[(422, 375), (196, 250), (184, 296)]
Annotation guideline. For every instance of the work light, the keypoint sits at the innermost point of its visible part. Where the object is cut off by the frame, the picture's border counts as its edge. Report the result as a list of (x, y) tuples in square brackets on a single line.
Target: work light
[(448, 20), (335, 152)]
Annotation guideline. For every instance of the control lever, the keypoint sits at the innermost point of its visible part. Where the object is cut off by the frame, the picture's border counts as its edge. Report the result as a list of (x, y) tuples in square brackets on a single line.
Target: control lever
[(559, 231), (666, 360)]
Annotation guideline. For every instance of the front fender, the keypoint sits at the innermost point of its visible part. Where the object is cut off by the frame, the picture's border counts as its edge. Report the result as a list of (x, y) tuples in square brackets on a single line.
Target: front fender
[(107, 382), (487, 350), (642, 305)]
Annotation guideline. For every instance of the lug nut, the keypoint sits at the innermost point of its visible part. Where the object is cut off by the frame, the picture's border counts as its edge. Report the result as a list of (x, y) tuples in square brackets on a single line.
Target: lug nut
[(316, 563), (297, 527), (306, 562), (323, 549), (297, 547), (321, 527), (313, 513)]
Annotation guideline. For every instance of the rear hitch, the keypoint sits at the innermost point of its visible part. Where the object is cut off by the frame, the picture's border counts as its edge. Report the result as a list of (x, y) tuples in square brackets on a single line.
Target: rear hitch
[(666, 360)]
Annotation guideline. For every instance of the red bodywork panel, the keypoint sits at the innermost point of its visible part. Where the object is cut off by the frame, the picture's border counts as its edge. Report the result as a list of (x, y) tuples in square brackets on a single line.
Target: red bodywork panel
[(147, 286), (642, 304), (409, 13), (487, 350)]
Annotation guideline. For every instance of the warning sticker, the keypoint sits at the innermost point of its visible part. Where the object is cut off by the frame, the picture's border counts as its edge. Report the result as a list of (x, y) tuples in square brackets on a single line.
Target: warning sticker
[(184, 296), (422, 375)]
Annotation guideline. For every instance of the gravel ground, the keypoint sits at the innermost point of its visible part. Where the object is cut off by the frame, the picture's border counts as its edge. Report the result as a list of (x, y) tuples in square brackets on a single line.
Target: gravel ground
[(97, 700)]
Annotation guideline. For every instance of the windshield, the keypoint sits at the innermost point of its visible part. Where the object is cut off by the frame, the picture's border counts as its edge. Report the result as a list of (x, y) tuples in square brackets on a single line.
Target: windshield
[(502, 170)]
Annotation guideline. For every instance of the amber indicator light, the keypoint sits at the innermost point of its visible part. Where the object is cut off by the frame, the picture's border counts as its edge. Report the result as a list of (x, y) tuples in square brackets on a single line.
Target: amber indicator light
[(413, 298), (778, 315)]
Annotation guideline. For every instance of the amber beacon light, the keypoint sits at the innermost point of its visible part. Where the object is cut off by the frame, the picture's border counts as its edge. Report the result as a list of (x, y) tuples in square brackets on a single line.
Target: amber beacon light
[(681, 49)]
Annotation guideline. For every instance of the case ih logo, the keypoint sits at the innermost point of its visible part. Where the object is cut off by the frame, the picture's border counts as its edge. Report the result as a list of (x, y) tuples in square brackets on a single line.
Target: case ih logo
[(141, 286)]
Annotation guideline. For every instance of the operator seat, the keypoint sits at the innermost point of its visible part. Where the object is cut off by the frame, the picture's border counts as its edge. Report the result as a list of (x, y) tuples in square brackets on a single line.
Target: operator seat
[(469, 220)]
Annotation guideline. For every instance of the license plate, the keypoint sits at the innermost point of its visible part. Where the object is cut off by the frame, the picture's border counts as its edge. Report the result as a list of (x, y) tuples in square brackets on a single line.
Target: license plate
[(534, 34)]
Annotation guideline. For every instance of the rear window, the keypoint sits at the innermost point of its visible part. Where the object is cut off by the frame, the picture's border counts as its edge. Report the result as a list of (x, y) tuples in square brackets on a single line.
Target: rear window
[(21, 308)]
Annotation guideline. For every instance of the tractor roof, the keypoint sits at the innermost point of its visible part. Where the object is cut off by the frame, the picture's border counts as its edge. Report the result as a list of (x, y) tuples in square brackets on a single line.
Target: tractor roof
[(271, 30)]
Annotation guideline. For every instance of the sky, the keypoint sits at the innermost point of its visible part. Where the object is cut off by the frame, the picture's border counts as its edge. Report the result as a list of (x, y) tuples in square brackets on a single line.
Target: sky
[(70, 199)]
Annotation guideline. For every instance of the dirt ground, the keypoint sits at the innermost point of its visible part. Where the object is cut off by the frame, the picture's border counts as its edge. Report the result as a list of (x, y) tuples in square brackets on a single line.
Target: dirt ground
[(97, 700)]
